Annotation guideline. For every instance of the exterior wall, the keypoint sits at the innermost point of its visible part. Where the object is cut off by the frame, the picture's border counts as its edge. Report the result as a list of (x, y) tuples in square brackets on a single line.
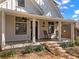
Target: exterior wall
[(0, 27), (10, 30), (45, 28)]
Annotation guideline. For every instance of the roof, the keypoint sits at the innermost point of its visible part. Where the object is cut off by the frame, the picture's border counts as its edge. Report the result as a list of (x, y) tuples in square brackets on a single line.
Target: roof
[(54, 4), (25, 14)]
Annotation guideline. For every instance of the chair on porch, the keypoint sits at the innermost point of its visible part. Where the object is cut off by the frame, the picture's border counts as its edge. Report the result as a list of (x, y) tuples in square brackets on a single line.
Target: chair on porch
[(50, 35), (46, 35), (55, 36)]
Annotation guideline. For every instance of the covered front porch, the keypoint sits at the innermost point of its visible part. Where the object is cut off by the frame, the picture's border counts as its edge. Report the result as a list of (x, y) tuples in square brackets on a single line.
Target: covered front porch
[(23, 28)]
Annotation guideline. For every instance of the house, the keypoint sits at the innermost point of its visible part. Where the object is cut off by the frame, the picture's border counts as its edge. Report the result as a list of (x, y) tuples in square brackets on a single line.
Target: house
[(77, 30), (32, 21)]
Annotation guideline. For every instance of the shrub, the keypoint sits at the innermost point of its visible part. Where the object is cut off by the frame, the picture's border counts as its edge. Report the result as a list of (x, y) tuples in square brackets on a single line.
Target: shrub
[(30, 49), (39, 48), (67, 44), (63, 45), (71, 44), (27, 50), (77, 42), (7, 53)]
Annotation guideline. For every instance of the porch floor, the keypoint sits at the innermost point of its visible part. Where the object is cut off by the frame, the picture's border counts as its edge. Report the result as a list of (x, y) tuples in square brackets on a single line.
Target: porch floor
[(46, 39), (17, 42)]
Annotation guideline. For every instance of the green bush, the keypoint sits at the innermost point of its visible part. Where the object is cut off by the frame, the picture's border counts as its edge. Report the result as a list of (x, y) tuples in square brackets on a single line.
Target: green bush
[(8, 53), (30, 49), (67, 44), (71, 44), (77, 42), (63, 45), (27, 50), (39, 48)]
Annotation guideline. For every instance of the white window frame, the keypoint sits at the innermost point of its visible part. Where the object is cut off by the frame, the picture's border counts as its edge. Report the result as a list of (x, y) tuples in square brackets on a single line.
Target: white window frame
[(20, 23), (20, 5)]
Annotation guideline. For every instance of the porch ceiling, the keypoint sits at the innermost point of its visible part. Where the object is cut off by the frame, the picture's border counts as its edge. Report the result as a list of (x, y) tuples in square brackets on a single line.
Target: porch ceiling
[(31, 16)]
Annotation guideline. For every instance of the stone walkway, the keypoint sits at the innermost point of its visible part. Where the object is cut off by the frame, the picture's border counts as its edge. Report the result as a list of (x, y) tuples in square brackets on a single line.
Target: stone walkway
[(56, 50)]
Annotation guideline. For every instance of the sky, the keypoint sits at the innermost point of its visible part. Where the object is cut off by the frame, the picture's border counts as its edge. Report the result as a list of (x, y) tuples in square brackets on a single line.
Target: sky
[(69, 8)]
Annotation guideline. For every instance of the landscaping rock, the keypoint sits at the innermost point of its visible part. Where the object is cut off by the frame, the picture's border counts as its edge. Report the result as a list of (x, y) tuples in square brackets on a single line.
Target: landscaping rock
[(55, 49)]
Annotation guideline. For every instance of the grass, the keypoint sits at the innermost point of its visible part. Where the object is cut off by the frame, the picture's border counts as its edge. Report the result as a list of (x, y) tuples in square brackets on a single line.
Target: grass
[(31, 49), (8, 53), (70, 44)]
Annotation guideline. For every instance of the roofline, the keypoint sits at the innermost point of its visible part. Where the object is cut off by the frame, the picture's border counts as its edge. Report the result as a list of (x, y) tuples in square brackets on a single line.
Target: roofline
[(25, 14)]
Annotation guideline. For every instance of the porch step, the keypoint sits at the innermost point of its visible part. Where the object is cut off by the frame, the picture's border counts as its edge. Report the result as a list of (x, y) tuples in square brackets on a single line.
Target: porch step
[(55, 49)]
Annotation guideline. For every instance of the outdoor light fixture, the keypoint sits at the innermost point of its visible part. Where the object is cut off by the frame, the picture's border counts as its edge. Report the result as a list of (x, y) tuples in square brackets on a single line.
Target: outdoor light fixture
[(43, 24)]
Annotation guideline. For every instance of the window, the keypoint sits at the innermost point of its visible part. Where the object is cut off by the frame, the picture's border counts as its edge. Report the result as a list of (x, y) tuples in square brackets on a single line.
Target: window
[(66, 27), (21, 25), (21, 3)]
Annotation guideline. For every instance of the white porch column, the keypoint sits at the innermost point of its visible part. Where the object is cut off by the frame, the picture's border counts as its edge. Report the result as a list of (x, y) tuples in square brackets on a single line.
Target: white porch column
[(72, 31), (34, 25), (59, 31), (3, 30)]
